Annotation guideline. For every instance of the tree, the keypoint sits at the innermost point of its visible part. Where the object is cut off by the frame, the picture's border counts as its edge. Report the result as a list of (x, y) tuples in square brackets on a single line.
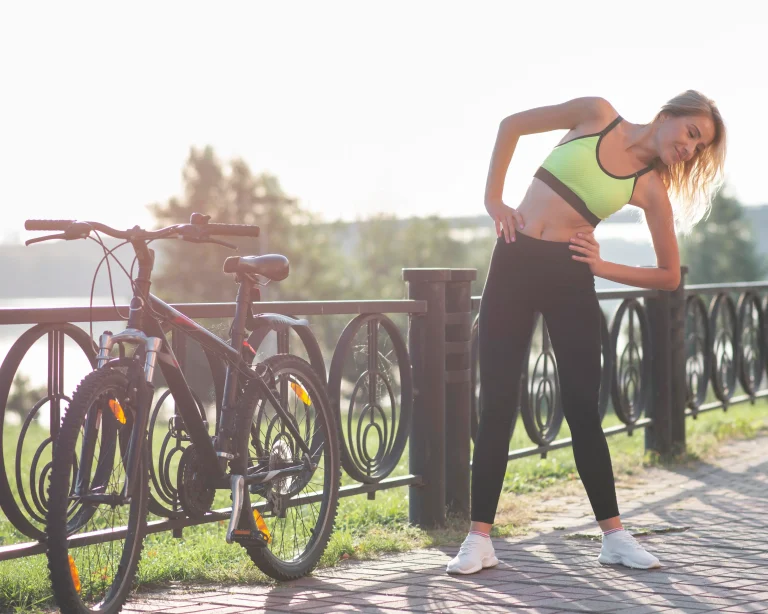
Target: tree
[(23, 395), (190, 272), (385, 245), (722, 248)]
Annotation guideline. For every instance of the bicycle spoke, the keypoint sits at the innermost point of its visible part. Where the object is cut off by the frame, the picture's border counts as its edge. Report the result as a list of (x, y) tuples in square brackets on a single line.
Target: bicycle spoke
[(299, 529)]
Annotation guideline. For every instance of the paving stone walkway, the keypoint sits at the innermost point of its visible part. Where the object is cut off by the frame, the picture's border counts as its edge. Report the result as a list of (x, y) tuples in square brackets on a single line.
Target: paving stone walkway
[(714, 555)]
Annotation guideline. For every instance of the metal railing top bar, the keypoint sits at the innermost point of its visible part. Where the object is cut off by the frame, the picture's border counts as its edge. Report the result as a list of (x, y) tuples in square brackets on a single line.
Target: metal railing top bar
[(755, 286), (744, 285), (602, 294), (108, 313)]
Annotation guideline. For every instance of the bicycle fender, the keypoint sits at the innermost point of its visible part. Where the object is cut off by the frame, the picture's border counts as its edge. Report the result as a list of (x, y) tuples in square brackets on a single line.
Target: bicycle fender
[(275, 321)]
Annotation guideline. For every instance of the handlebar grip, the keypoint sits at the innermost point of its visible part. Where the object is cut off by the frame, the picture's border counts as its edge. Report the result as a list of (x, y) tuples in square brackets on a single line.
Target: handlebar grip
[(48, 224), (232, 230)]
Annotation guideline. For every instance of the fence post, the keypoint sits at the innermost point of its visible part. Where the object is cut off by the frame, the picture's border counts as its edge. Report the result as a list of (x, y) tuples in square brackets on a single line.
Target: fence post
[(426, 345), (458, 334), (658, 436), (679, 390), (666, 314)]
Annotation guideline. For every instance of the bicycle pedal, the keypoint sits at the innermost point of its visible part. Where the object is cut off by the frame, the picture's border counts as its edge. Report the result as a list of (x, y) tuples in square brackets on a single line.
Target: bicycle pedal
[(247, 537)]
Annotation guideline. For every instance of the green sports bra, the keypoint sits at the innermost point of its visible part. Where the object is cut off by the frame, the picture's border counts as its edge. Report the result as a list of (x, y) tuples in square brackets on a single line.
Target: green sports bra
[(573, 170)]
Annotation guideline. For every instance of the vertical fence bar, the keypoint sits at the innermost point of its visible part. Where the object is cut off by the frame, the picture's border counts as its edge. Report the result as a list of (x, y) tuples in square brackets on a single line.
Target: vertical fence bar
[(55, 378), (458, 333), (179, 347), (373, 381), (283, 344), (426, 344)]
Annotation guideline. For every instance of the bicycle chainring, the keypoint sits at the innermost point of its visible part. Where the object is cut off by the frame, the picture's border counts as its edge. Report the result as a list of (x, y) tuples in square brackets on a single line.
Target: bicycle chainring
[(195, 496)]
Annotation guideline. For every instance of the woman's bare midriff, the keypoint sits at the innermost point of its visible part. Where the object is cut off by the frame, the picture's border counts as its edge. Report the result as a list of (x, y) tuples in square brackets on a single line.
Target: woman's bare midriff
[(548, 217)]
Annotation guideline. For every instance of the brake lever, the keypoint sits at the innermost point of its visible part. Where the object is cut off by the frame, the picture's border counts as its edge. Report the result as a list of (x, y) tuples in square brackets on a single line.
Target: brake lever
[(29, 242), (209, 240), (224, 243)]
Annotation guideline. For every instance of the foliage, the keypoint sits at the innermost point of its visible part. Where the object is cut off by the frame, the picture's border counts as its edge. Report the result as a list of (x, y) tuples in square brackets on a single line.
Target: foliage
[(722, 248), (23, 395)]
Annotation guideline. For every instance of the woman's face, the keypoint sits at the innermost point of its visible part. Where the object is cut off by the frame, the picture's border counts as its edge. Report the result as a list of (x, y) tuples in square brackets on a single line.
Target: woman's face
[(681, 138)]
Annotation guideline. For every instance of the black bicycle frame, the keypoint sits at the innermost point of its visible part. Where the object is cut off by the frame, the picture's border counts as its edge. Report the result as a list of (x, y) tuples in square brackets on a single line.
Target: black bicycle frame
[(148, 314)]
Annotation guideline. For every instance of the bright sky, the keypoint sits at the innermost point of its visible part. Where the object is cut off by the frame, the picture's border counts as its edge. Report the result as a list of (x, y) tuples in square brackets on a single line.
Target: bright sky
[(356, 106)]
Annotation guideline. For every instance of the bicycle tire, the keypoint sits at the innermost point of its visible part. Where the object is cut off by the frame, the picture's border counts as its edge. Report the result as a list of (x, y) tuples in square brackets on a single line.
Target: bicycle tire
[(69, 598), (265, 558)]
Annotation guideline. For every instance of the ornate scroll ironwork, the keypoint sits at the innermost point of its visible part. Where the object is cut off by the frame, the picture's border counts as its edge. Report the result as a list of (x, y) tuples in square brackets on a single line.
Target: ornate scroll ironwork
[(725, 351), (698, 352), (26, 508), (370, 384), (632, 367), (752, 340)]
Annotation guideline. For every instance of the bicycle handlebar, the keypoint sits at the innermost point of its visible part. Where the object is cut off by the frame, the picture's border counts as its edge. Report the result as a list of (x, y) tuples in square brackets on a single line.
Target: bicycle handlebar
[(232, 230), (78, 229), (48, 224)]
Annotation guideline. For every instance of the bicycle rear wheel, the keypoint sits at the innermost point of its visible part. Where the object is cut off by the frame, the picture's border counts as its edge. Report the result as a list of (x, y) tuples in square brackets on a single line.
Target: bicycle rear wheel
[(301, 508), (89, 574)]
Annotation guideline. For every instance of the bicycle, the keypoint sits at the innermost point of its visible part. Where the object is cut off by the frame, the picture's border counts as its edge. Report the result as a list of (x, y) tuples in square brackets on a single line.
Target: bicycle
[(276, 438)]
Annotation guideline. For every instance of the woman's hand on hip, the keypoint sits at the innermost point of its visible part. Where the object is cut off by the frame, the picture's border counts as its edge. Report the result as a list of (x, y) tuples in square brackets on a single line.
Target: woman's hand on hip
[(505, 219), (588, 248)]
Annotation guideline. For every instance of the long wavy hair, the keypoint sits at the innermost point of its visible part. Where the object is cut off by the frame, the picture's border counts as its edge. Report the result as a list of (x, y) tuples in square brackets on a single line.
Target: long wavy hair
[(693, 184)]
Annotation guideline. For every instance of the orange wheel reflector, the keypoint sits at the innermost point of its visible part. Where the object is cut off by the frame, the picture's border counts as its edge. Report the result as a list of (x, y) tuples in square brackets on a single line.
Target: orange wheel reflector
[(74, 574), (117, 409), (262, 526), (301, 393)]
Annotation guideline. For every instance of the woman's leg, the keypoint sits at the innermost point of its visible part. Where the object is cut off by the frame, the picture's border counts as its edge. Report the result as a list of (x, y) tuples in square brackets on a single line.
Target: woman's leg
[(505, 327), (573, 321)]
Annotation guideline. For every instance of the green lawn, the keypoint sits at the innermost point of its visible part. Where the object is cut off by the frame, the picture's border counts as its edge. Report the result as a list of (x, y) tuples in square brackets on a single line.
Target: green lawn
[(364, 528)]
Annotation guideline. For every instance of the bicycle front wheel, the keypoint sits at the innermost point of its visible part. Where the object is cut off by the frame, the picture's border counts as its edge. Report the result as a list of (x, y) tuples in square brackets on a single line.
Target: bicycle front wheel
[(300, 509), (95, 534)]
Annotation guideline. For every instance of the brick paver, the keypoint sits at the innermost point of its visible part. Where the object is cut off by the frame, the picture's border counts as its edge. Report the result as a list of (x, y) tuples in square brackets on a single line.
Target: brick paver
[(714, 556)]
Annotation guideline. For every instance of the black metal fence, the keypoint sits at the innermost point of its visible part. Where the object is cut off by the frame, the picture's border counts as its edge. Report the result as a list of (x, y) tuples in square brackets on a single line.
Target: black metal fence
[(665, 356)]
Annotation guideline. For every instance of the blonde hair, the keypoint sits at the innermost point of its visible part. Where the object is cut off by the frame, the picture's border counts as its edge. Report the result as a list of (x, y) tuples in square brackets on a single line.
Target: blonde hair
[(692, 184)]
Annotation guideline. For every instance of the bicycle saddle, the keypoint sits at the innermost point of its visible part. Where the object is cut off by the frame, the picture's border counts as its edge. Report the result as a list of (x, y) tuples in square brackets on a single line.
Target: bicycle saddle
[(271, 266)]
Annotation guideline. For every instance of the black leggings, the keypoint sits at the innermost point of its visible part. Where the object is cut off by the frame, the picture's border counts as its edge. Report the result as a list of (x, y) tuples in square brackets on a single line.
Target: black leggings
[(528, 276)]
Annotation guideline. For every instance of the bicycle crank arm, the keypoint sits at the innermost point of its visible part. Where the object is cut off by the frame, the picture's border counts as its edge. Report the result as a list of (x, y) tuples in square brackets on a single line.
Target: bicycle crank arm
[(267, 476), (238, 486)]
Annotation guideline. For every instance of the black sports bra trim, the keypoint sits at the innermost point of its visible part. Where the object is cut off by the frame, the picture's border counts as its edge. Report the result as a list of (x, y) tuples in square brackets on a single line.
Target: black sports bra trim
[(601, 134), (568, 195), (610, 127)]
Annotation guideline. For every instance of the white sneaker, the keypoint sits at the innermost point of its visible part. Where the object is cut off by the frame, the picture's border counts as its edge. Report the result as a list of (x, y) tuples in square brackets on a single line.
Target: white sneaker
[(621, 547), (476, 553)]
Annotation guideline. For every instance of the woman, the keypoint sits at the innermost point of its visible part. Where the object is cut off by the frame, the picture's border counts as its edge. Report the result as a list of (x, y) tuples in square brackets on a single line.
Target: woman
[(545, 260)]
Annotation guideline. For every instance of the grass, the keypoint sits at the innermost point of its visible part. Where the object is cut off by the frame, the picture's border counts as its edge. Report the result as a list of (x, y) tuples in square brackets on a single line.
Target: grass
[(366, 529)]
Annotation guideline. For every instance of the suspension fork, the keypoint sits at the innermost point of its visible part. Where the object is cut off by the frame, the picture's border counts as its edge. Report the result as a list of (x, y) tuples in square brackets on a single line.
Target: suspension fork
[(142, 391)]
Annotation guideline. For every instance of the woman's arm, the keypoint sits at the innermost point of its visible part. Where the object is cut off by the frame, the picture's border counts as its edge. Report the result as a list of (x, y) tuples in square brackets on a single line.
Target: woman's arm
[(565, 116), (653, 278), (665, 275)]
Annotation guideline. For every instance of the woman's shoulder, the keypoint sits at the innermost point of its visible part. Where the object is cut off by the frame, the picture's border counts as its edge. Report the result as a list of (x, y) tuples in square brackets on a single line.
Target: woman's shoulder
[(604, 108), (601, 113), (650, 191)]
